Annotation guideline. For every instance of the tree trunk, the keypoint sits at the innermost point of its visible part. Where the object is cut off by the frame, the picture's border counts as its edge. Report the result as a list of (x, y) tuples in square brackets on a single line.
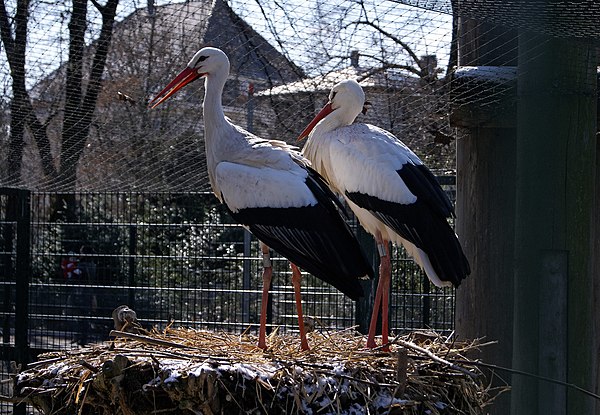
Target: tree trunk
[(80, 107), (22, 113)]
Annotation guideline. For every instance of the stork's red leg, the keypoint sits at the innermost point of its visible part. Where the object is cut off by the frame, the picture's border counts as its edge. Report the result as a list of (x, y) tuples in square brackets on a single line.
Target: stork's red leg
[(296, 277), (382, 294), (267, 275), (373, 325), (385, 270)]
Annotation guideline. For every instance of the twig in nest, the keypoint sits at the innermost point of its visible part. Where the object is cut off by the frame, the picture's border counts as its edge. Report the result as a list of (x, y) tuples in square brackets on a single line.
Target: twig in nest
[(147, 339), (91, 368), (435, 358), (10, 399), (401, 375)]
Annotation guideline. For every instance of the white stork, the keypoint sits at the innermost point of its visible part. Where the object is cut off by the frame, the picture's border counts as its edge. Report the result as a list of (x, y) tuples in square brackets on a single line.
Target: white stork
[(394, 196), (269, 187)]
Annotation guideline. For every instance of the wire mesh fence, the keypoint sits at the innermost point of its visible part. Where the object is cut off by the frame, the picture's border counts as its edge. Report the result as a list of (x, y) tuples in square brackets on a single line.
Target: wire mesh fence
[(176, 258)]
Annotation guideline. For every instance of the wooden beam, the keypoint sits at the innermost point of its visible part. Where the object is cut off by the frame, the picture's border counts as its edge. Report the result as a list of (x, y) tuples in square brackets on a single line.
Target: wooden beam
[(553, 329), (554, 189)]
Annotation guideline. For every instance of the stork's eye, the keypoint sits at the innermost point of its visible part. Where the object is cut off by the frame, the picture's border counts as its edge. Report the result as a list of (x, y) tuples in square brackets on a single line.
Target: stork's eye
[(332, 95), (202, 58)]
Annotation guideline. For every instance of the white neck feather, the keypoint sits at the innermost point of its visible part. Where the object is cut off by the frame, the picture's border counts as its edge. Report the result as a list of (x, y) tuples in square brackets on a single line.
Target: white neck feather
[(214, 117), (216, 127)]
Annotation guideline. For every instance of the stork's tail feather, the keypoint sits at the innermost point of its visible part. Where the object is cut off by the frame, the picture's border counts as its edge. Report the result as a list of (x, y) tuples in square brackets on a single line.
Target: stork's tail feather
[(444, 262)]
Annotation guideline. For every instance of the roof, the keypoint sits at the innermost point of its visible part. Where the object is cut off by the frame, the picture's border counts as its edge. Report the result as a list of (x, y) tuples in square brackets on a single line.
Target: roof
[(211, 23), (367, 77)]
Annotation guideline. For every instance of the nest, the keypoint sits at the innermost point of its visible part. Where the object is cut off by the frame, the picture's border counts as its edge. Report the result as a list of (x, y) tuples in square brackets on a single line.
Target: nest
[(184, 371)]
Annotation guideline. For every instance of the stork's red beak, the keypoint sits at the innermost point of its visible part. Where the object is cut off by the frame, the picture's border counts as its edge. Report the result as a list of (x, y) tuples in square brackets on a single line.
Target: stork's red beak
[(327, 109), (185, 77)]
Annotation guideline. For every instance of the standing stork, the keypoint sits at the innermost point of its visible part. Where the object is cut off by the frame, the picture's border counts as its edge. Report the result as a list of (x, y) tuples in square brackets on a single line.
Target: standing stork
[(268, 186), (394, 196)]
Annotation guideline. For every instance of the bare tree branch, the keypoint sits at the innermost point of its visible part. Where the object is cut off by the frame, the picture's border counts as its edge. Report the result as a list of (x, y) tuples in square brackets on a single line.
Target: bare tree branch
[(390, 36), (5, 30), (385, 65)]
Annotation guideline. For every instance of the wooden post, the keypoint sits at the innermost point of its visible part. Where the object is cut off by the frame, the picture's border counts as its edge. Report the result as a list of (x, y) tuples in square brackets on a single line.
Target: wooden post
[(596, 274), (555, 183), (552, 356), (486, 165)]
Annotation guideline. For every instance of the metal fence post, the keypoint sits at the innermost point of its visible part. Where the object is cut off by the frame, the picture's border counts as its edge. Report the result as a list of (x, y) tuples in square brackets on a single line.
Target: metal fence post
[(246, 278), (426, 303), (132, 265), (22, 200), (247, 235), (22, 274)]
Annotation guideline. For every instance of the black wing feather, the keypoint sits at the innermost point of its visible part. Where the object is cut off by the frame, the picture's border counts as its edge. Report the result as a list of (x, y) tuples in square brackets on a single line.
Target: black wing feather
[(315, 238), (422, 223), (423, 184)]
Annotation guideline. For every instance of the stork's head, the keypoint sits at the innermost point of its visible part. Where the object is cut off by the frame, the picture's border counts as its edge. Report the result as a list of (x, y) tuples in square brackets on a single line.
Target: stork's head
[(206, 62), (346, 101)]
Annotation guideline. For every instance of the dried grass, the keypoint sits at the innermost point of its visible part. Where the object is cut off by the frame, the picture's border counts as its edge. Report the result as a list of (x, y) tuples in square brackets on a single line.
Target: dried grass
[(203, 372)]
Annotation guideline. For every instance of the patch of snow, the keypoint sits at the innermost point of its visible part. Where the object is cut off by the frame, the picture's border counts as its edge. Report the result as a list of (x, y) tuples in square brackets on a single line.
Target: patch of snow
[(204, 367), (339, 369), (173, 377), (441, 405), (385, 400), (324, 83), (499, 74)]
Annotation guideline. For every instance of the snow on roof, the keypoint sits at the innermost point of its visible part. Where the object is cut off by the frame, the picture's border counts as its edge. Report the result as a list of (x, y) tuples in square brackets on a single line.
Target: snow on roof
[(367, 77), (499, 74)]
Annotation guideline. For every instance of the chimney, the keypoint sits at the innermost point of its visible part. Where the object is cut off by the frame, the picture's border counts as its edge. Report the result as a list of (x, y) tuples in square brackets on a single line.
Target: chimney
[(354, 58), (429, 63), (151, 8)]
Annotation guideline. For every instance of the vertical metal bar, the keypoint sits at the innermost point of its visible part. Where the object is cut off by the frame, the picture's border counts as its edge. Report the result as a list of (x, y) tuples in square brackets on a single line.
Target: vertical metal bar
[(22, 274), (246, 278), (426, 303), (247, 235), (132, 265)]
